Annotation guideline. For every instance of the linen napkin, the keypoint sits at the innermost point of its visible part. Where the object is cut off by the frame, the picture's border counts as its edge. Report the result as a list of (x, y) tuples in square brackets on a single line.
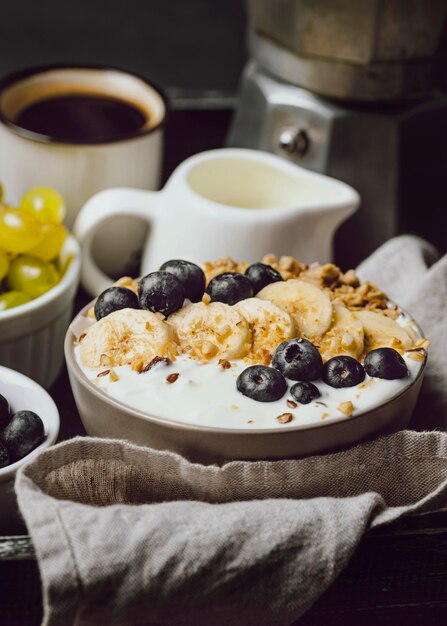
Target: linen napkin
[(129, 535)]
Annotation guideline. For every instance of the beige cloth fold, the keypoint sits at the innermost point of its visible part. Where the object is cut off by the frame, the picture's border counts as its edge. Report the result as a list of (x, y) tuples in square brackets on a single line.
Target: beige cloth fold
[(129, 535)]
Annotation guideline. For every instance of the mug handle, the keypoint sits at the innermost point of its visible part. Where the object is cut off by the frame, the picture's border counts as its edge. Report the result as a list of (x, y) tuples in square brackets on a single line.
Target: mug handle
[(97, 210)]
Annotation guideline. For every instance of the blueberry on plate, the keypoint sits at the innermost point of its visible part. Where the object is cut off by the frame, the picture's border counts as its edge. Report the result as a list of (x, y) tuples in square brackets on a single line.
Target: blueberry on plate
[(5, 415), (4, 456), (229, 287), (161, 292), (261, 383), (190, 275), (343, 371), (260, 275), (304, 392), (298, 359), (114, 299), (23, 433), (385, 363)]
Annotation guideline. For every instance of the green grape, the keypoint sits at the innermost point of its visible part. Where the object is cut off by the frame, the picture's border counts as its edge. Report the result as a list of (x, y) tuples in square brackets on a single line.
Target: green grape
[(4, 264), (19, 230), (11, 299), (45, 203), (53, 237), (31, 275)]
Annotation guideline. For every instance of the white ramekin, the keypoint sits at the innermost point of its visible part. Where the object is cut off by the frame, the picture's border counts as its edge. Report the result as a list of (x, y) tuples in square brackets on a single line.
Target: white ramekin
[(32, 335), (23, 393)]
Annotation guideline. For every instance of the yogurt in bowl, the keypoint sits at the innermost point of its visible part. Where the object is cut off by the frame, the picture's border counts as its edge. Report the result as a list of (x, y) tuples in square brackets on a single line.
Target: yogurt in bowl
[(186, 369)]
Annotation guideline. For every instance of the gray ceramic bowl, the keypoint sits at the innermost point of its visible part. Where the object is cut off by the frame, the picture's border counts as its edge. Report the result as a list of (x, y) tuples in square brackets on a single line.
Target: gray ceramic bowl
[(103, 416)]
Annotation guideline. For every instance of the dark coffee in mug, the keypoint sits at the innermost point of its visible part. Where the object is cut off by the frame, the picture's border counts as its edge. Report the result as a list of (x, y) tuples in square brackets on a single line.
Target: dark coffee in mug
[(82, 118), (82, 129)]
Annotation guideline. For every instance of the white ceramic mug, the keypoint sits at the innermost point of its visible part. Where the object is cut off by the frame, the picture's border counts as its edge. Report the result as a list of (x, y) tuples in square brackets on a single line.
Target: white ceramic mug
[(228, 202), (78, 170)]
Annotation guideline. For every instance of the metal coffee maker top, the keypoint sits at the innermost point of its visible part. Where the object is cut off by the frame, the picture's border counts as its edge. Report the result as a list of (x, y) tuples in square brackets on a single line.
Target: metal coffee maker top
[(348, 89), (346, 49)]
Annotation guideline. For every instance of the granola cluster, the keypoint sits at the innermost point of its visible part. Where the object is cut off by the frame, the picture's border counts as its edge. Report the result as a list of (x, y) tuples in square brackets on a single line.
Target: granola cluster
[(343, 287)]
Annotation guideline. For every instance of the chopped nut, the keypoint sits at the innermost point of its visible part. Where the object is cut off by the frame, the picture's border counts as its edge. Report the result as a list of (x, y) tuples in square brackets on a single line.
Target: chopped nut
[(249, 421), (208, 349), (423, 343), (324, 416), (172, 377), (128, 282), (346, 407), (81, 337), (285, 418), (416, 355), (287, 266), (225, 365), (155, 361), (366, 384), (113, 376), (105, 359), (349, 278), (138, 364), (287, 263), (291, 404), (270, 259), (104, 373), (206, 298), (220, 266), (91, 312)]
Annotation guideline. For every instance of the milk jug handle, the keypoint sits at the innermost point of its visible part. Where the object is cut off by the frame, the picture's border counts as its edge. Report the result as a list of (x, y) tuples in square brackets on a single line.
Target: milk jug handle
[(95, 212)]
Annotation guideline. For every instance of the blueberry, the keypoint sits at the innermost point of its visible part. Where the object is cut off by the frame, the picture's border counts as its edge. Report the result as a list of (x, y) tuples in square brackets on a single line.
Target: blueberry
[(230, 287), (343, 371), (5, 415), (114, 299), (304, 392), (23, 433), (190, 275), (4, 456), (298, 359), (261, 383), (261, 275), (385, 363), (161, 291)]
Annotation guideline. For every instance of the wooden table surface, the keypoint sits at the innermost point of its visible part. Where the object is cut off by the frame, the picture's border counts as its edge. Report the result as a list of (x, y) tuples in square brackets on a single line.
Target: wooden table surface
[(398, 576)]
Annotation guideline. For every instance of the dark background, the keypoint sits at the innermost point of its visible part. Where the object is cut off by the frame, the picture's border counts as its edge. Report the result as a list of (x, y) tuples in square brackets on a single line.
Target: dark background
[(194, 49)]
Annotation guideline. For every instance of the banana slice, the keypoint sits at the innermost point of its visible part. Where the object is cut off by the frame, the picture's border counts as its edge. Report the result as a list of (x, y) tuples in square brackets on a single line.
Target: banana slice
[(211, 331), (269, 326), (128, 336), (345, 336), (309, 306), (383, 331)]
